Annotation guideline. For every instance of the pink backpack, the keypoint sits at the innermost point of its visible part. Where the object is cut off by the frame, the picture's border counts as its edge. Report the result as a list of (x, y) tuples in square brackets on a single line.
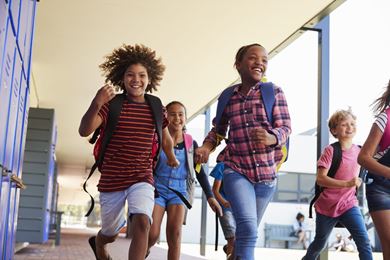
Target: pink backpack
[(385, 141)]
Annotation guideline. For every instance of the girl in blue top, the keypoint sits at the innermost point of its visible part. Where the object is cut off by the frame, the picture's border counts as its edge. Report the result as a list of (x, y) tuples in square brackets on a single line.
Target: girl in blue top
[(170, 181)]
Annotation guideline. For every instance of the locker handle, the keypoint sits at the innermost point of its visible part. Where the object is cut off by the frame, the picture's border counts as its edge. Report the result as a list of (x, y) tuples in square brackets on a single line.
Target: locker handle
[(4, 171), (18, 181)]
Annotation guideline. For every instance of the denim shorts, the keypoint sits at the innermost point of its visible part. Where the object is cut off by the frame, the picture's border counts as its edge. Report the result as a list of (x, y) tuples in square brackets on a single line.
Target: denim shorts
[(167, 197), (140, 200), (228, 224), (378, 195)]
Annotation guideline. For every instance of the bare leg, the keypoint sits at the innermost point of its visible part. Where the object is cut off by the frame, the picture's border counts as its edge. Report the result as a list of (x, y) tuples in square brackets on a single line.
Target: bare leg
[(101, 245), (140, 224), (230, 245), (381, 220), (154, 233), (174, 222), (302, 239)]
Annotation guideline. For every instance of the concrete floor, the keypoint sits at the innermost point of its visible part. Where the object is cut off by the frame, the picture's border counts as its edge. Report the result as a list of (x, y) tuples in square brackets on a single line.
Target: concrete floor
[(74, 245)]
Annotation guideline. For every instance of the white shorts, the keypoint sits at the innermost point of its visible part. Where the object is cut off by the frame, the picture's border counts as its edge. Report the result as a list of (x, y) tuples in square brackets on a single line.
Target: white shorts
[(140, 200)]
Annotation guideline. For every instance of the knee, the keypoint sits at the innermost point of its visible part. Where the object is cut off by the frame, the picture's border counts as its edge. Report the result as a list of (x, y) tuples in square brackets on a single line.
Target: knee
[(173, 235), (140, 223), (247, 229)]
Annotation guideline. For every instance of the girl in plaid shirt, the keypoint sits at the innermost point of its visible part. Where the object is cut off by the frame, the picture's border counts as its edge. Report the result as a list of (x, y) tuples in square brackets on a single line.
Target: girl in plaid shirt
[(253, 149)]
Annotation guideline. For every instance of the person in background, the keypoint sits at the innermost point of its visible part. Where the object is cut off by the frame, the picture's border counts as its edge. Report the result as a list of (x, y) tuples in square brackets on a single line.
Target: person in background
[(342, 244), (227, 221), (300, 230)]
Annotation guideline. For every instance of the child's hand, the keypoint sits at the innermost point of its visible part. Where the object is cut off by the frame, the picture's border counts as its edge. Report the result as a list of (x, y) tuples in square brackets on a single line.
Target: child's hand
[(214, 205), (356, 181), (226, 204), (202, 154), (104, 95), (260, 135), (173, 162)]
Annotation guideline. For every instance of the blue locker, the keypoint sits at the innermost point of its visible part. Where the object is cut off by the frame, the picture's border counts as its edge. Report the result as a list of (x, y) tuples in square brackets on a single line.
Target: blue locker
[(22, 28), (18, 163), (5, 89), (25, 33), (5, 85), (13, 110), (3, 27), (10, 124), (14, 11), (12, 151)]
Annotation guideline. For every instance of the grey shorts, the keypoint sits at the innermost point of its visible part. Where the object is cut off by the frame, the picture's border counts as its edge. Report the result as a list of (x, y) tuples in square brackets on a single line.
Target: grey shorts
[(140, 200), (228, 224)]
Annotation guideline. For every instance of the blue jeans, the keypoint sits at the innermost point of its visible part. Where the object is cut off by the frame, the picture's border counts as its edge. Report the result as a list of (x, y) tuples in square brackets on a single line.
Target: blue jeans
[(248, 201), (353, 221)]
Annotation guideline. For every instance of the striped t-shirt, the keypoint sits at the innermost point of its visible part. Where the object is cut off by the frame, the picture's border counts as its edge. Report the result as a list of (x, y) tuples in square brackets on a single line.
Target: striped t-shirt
[(381, 122), (128, 159)]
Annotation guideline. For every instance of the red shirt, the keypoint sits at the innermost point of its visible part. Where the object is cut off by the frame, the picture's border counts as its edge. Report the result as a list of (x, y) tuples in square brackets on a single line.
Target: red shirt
[(128, 159)]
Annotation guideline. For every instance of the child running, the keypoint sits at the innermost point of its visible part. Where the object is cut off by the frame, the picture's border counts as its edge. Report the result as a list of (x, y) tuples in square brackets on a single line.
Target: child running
[(337, 202), (126, 170), (176, 185), (254, 147), (227, 221)]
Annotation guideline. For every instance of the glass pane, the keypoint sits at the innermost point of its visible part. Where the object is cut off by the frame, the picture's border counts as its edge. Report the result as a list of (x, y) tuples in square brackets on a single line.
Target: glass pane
[(305, 197), (288, 182), (288, 197), (196, 128), (307, 182)]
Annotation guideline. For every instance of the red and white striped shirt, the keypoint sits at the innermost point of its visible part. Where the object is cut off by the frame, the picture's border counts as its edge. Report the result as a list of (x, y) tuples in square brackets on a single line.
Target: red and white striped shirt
[(128, 159)]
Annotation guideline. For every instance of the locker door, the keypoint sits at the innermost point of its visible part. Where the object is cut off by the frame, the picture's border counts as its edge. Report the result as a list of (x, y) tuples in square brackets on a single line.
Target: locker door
[(5, 101), (18, 162), (13, 110), (12, 151), (23, 23), (25, 32), (3, 27), (14, 8), (5, 85)]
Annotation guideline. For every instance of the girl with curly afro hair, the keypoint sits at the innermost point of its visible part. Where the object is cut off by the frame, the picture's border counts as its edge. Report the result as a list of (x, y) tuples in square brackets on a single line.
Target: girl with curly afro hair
[(120, 60), (127, 165)]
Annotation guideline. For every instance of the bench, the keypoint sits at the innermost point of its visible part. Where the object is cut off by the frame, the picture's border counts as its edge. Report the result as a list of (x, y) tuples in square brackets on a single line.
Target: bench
[(276, 232)]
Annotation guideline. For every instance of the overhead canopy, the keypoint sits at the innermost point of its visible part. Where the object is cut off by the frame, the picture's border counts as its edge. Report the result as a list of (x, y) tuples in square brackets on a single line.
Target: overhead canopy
[(197, 41)]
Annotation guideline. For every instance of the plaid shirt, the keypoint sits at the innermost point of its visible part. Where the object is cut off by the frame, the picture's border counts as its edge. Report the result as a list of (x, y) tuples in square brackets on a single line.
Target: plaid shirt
[(242, 114)]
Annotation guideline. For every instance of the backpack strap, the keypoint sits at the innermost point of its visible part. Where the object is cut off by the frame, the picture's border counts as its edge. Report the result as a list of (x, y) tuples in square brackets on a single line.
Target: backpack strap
[(216, 232), (188, 141), (157, 112), (223, 100), (114, 110), (268, 97), (336, 161)]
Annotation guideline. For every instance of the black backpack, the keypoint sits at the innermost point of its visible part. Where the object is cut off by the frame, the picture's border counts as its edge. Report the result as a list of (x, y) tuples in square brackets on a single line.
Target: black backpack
[(102, 136)]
